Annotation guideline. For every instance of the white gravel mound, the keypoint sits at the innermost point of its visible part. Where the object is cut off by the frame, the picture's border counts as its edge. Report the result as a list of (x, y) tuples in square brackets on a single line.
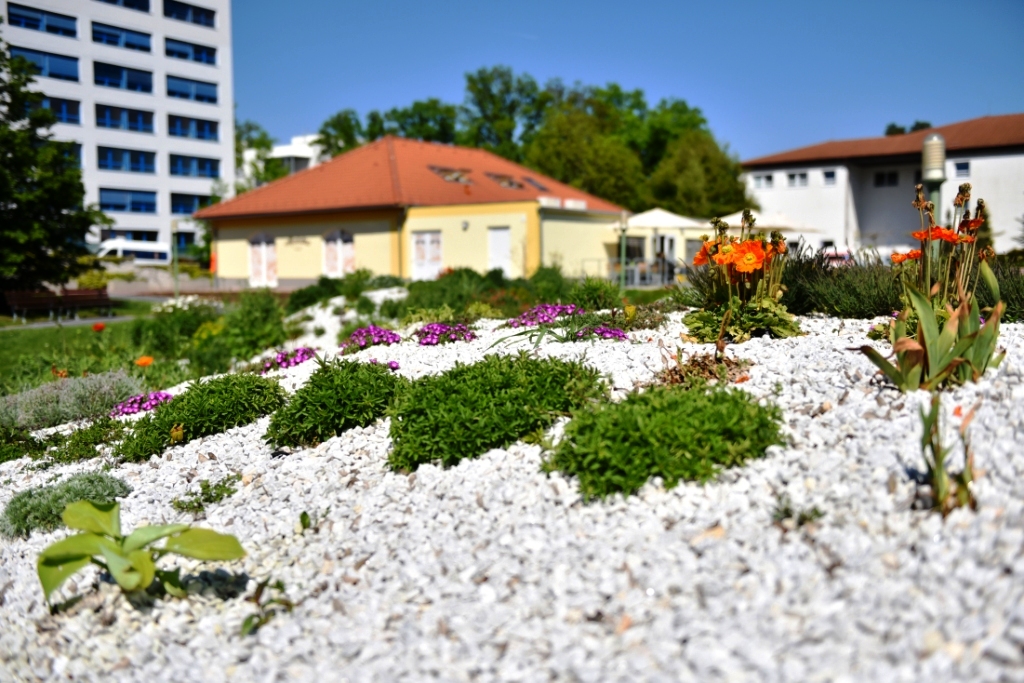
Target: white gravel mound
[(494, 571)]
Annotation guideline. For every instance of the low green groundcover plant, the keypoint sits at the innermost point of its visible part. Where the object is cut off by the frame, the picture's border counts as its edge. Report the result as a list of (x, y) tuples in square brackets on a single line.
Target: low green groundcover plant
[(473, 408), (339, 396), (195, 502), (68, 399), (206, 408), (39, 509), (668, 432)]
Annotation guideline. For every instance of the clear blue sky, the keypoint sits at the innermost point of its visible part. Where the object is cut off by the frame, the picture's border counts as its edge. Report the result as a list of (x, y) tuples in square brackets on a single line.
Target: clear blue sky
[(769, 76)]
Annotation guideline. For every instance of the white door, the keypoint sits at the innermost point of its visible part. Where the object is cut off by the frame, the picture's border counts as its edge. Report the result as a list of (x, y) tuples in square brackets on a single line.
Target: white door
[(499, 249), (262, 261), (426, 264), (339, 254)]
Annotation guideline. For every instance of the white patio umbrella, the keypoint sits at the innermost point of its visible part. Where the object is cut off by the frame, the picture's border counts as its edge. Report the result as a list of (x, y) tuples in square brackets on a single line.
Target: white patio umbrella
[(661, 219), (768, 222)]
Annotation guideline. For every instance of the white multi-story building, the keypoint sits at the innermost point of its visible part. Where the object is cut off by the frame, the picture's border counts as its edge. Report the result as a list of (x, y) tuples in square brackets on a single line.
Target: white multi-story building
[(298, 155), (145, 89), (857, 193)]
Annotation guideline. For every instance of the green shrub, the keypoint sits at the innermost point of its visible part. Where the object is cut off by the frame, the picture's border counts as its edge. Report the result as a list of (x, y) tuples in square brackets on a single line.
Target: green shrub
[(384, 282), (255, 325), (549, 285), (168, 333), (16, 443), (65, 400), (340, 395), (39, 509), (324, 289), (365, 306), (864, 287), (472, 408), (666, 432), (455, 289), (392, 308), (595, 294), (441, 314), (205, 408)]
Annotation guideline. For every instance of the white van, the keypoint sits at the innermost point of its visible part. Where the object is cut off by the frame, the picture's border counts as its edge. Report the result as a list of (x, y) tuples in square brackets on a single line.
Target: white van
[(145, 253)]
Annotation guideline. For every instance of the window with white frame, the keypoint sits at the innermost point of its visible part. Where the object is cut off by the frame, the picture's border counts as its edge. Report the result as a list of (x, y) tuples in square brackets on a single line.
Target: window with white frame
[(830, 177), (963, 169), (797, 179), (763, 181)]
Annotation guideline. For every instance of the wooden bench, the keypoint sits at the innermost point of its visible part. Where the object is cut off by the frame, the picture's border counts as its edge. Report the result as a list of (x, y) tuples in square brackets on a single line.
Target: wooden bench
[(74, 300), (35, 300)]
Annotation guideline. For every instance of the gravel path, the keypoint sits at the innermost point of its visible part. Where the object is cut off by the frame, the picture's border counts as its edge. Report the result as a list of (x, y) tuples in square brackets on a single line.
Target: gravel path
[(494, 571)]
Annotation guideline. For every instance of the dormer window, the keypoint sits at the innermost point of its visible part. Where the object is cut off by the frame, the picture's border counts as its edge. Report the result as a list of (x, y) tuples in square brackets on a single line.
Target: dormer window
[(452, 175), (535, 184), (506, 181)]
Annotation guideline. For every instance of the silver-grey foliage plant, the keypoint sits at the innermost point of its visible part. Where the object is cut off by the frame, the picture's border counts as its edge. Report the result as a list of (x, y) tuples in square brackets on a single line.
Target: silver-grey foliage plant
[(65, 400)]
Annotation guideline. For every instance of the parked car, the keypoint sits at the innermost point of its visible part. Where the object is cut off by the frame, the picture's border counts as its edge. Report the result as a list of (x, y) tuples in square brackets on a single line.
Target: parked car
[(145, 253)]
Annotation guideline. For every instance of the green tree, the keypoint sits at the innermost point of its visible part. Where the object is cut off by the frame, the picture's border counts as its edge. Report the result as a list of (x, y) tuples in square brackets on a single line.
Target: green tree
[(698, 178), (895, 129), (43, 220), (340, 133), (502, 111), (431, 120), (250, 135), (376, 126)]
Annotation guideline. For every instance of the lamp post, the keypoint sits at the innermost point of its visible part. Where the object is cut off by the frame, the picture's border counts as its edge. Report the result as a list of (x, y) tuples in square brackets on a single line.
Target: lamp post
[(933, 174), (174, 255), (623, 226)]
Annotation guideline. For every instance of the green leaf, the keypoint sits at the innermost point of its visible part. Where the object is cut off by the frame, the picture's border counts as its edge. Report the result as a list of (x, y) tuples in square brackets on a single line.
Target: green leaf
[(142, 561), (887, 368), (77, 546), (171, 579), (205, 544), (121, 568), (929, 325), (99, 518), (142, 537), (53, 573), (990, 280), (249, 624)]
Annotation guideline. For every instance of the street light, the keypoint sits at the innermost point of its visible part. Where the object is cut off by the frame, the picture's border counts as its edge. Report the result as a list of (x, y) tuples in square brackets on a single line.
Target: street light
[(933, 166), (623, 226)]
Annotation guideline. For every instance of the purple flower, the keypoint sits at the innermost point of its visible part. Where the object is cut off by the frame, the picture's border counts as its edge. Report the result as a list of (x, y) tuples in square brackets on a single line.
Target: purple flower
[(393, 365), (370, 336), (602, 332), (544, 313), (441, 333), (288, 359), (140, 403)]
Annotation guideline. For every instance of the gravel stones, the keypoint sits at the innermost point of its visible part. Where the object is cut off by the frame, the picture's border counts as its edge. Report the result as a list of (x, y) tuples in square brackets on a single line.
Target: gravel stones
[(491, 570)]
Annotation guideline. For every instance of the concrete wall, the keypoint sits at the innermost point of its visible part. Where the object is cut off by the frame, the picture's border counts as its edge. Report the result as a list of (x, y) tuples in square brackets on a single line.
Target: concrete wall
[(464, 237), (821, 207), (999, 180), (884, 214)]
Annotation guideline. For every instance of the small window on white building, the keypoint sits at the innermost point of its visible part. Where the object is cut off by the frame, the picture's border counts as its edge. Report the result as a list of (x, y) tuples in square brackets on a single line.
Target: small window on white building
[(887, 179), (963, 169), (763, 181), (797, 179), (830, 177)]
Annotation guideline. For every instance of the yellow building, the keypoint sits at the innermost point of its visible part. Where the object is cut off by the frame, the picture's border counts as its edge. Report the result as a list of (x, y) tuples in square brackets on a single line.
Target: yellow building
[(410, 209)]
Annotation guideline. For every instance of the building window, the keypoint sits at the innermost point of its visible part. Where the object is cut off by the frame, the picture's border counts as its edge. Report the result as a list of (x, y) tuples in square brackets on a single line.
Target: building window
[(452, 175), (185, 240), (122, 77), (120, 37), (295, 164), (190, 13), (797, 179), (197, 167), (46, 64), (194, 53), (130, 201), (536, 185), (188, 203), (963, 169), (130, 234), (114, 159), (187, 89), (185, 127), (830, 177), (764, 181), (141, 5), (124, 119), (75, 152), (66, 111), (506, 181), (39, 20), (887, 179)]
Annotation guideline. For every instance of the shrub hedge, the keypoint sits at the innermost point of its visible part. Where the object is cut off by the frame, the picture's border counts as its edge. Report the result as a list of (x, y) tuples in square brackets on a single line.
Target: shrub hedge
[(205, 408), (73, 398), (40, 509), (669, 432), (339, 395), (470, 409)]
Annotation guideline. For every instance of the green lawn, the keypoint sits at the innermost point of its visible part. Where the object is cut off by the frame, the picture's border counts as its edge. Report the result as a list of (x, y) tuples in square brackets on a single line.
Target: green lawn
[(645, 296), (122, 307)]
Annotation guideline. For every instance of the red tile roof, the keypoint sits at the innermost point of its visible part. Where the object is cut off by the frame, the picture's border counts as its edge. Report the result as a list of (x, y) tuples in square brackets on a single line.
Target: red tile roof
[(396, 172), (986, 132)]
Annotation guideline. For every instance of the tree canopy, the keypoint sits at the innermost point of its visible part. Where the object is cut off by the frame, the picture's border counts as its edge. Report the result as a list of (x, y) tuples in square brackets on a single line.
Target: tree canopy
[(250, 135), (43, 220), (605, 140)]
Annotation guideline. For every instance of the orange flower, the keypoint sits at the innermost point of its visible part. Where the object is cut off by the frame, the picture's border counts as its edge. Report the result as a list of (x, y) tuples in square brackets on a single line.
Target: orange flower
[(967, 239), (726, 255), (945, 234), (99, 327), (749, 257), (144, 361), (898, 258), (780, 247), (914, 254), (702, 256)]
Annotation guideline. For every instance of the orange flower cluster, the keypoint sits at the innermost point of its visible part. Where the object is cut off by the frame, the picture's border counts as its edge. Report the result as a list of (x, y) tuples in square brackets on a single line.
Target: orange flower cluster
[(912, 255), (745, 257), (938, 233)]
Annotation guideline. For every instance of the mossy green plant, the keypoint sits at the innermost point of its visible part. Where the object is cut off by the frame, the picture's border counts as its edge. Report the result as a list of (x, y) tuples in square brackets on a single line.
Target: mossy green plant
[(668, 432), (471, 409), (40, 508), (340, 395), (208, 494), (205, 408)]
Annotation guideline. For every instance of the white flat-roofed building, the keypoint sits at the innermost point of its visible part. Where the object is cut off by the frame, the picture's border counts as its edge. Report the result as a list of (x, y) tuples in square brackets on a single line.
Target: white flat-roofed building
[(857, 193), (298, 155), (145, 88)]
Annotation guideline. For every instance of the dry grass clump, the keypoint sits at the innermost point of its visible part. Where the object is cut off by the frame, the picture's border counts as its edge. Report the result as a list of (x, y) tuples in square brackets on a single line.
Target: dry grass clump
[(704, 367)]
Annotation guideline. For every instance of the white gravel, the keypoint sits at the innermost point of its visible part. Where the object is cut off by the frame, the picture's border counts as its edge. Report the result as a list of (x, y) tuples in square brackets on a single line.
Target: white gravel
[(493, 571)]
